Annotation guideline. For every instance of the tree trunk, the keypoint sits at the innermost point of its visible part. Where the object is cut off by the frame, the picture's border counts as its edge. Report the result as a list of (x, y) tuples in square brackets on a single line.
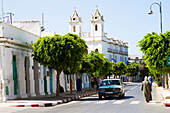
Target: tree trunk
[(70, 85), (89, 82), (166, 82), (58, 82), (81, 82)]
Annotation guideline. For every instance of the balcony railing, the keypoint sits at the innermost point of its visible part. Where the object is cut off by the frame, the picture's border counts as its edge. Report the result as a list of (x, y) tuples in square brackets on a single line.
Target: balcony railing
[(109, 49), (115, 51), (85, 34), (125, 53), (121, 52)]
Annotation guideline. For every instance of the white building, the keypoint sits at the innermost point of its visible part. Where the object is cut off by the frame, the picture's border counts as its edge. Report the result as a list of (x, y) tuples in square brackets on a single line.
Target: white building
[(20, 75), (113, 49), (16, 63)]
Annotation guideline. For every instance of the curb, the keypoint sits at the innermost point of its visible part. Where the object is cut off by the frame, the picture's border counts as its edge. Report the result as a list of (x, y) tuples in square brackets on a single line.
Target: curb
[(54, 103), (162, 100)]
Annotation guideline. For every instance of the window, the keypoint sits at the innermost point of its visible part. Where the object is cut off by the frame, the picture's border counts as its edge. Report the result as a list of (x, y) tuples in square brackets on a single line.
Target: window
[(110, 57), (125, 60), (74, 18), (96, 27), (116, 58), (95, 17), (74, 28)]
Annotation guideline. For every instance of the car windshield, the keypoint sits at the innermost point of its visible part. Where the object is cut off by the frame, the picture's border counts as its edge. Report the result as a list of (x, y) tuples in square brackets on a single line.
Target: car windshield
[(111, 82)]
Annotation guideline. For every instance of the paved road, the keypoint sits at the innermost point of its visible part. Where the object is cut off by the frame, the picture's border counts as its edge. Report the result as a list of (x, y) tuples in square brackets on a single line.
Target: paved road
[(132, 103)]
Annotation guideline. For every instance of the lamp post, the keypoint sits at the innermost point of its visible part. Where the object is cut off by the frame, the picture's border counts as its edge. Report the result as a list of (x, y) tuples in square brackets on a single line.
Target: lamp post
[(160, 11)]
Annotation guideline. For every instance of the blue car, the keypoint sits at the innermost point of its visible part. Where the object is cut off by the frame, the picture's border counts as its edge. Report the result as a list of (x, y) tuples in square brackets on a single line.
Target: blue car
[(111, 87)]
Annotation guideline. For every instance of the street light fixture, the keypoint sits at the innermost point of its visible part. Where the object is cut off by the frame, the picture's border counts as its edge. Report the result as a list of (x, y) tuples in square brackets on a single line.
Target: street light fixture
[(150, 12), (160, 11)]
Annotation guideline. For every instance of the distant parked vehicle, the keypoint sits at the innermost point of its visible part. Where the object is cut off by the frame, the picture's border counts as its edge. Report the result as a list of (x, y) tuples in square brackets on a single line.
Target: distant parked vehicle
[(111, 87)]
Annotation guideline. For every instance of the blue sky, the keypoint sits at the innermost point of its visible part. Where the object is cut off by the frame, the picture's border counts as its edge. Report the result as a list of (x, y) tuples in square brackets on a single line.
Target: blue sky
[(127, 20)]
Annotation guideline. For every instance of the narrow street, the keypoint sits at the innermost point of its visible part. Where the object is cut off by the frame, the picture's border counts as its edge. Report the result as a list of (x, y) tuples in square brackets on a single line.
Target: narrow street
[(132, 103)]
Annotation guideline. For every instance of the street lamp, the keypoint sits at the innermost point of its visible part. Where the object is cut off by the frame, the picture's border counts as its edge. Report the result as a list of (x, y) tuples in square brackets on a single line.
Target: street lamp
[(160, 8)]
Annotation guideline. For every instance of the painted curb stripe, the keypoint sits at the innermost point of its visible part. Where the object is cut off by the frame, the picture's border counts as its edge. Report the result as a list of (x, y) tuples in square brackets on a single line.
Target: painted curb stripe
[(47, 104), (52, 104), (167, 104), (34, 105), (17, 106)]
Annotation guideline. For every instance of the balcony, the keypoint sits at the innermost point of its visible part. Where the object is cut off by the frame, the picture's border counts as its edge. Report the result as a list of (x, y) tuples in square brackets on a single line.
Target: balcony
[(109, 50), (126, 53), (121, 52), (115, 51)]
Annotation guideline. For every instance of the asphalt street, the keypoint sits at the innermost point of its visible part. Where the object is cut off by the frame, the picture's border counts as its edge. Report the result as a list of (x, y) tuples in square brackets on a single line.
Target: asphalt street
[(132, 103)]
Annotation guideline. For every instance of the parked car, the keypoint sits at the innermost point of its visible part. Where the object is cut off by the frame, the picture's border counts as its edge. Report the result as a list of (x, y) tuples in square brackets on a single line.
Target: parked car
[(111, 87)]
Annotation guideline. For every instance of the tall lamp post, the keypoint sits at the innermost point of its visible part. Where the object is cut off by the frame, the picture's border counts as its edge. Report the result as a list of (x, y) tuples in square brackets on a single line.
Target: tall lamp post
[(160, 11)]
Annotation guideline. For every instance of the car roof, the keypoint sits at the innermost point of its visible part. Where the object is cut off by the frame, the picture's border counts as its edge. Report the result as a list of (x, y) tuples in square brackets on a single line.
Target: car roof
[(110, 79)]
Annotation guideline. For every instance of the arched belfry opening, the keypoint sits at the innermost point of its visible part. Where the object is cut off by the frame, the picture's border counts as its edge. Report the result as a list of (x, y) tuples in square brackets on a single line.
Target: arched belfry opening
[(74, 28), (96, 27)]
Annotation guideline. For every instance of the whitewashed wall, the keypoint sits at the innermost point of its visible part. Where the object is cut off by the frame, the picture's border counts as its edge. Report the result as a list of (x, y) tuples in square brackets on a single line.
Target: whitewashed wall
[(9, 31)]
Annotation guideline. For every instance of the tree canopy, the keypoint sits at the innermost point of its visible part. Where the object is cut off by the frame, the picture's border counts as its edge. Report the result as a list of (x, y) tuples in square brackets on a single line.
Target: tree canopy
[(60, 52), (106, 68), (156, 49), (119, 68)]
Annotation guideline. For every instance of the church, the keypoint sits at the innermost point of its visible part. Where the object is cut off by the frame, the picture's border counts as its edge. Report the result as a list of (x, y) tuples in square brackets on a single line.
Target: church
[(115, 50)]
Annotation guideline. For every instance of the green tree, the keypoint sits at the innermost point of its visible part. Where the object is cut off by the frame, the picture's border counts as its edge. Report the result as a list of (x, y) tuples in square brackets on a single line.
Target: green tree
[(132, 70), (156, 49), (92, 63), (60, 53), (119, 68), (107, 69)]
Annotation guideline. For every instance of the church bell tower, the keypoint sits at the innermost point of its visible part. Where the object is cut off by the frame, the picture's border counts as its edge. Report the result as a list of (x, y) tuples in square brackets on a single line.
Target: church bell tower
[(75, 24)]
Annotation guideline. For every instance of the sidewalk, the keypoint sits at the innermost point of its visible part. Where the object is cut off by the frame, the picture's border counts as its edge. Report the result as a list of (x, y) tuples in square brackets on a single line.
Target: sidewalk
[(164, 96), (47, 100)]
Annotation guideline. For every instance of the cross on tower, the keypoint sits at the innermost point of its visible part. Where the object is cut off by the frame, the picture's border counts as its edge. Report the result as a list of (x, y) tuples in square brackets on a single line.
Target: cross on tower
[(96, 6), (75, 8)]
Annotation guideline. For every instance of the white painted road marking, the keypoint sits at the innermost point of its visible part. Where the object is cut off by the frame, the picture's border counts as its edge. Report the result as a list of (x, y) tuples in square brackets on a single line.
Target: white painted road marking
[(118, 102), (102, 102), (152, 102), (135, 102)]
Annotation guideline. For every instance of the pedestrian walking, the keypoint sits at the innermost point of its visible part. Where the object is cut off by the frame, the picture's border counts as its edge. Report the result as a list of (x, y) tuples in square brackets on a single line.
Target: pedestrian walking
[(146, 89), (78, 84), (99, 82), (92, 82)]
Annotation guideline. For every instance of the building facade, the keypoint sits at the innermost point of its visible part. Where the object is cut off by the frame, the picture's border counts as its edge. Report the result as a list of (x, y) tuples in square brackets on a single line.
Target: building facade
[(20, 75), (115, 50)]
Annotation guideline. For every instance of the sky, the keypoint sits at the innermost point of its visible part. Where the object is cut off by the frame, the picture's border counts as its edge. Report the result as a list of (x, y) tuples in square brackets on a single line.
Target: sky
[(126, 20)]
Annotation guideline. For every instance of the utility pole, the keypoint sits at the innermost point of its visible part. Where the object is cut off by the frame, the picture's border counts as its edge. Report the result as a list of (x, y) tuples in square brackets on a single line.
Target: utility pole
[(42, 27), (2, 11)]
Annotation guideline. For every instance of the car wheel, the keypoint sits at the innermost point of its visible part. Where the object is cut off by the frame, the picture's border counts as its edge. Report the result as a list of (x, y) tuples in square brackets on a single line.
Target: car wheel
[(100, 96), (120, 96), (123, 95)]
